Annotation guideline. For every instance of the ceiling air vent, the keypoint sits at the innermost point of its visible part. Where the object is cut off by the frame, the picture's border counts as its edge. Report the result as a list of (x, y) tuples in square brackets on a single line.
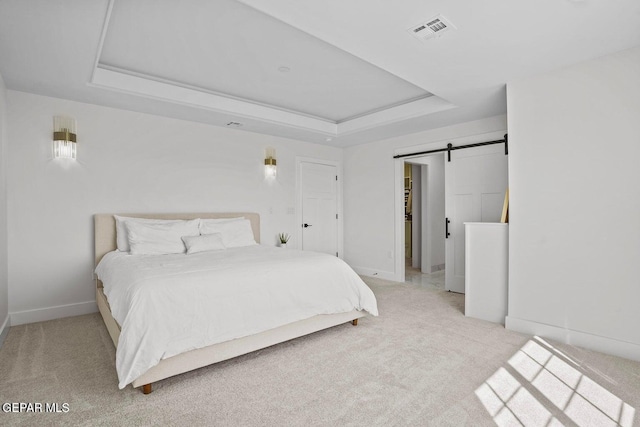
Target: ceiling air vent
[(432, 28)]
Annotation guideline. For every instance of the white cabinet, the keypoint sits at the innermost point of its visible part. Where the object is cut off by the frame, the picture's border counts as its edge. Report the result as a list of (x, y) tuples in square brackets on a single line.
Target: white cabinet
[(486, 265)]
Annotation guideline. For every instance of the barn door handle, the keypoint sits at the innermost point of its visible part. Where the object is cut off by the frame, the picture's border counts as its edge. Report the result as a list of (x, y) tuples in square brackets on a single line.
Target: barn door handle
[(446, 228), (305, 225)]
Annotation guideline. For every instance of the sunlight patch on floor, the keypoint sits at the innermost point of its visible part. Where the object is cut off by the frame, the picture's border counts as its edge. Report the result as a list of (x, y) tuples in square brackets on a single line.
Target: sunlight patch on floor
[(559, 380)]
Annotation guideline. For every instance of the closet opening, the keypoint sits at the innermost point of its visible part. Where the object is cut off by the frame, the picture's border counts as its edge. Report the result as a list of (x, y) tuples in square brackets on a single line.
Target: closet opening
[(424, 210)]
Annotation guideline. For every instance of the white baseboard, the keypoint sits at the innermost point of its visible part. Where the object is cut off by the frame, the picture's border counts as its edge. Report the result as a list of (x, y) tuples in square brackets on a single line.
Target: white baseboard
[(370, 272), (606, 345), (438, 267), (50, 313), (4, 329)]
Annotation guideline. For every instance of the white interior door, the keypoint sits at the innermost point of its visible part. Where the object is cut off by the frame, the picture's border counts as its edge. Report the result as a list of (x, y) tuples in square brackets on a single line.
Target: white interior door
[(475, 183), (319, 188)]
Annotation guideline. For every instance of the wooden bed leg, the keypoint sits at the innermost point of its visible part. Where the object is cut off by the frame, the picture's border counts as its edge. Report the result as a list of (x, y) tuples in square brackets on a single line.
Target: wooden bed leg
[(146, 389), (354, 322)]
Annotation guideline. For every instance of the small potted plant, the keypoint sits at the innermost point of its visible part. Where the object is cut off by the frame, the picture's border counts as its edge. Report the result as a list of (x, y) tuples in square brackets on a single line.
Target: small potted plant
[(284, 238)]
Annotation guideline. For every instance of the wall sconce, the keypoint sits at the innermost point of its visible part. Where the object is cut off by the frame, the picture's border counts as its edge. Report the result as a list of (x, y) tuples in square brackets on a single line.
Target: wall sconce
[(64, 138), (270, 163)]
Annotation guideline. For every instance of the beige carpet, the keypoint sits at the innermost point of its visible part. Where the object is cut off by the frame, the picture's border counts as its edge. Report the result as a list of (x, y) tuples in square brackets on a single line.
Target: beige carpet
[(421, 362)]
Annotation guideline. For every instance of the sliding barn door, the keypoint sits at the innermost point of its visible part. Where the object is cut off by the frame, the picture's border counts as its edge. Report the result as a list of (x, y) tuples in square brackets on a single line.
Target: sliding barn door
[(475, 184)]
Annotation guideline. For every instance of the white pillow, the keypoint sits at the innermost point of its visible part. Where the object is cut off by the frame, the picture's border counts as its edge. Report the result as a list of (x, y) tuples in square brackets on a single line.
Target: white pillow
[(210, 221), (234, 233), (205, 242), (122, 238), (158, 239)]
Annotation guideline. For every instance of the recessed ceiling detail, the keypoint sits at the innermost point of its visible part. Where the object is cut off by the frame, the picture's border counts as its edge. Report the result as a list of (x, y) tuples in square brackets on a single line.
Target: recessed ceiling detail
[(229, 57), (466, 69)]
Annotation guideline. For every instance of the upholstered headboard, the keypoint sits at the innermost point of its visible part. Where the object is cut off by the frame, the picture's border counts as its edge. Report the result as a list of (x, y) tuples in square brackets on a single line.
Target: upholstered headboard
[(105, 226)]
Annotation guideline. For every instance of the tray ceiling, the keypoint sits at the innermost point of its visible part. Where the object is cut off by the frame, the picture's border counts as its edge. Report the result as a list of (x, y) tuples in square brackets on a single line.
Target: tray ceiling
[(354, 73), (230, 49), (226, 56)]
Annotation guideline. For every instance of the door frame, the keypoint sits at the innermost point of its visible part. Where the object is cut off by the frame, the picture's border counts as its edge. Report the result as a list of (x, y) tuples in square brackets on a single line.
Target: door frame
[(417, 193), (298, 190), (426, 263), (398, 187)]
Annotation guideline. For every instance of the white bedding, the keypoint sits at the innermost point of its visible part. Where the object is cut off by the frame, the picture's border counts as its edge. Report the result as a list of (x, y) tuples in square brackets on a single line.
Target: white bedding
[(169, 304)]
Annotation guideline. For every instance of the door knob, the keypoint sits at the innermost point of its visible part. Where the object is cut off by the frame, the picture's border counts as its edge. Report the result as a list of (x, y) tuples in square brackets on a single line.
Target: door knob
[(305, 225)]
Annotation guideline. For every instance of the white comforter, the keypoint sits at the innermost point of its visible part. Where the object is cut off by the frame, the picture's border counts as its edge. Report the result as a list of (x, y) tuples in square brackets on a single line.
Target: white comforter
[(169, 304)]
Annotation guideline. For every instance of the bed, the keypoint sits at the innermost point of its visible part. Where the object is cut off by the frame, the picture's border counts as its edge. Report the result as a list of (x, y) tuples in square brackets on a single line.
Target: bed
[(170, 364)]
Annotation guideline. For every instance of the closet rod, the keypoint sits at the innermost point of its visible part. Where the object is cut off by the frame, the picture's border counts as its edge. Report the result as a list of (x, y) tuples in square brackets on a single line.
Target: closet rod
[(451, 148)]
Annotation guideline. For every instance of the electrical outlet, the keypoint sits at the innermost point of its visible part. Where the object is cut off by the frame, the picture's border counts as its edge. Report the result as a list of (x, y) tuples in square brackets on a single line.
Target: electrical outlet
[(390, 254), (291, 211)]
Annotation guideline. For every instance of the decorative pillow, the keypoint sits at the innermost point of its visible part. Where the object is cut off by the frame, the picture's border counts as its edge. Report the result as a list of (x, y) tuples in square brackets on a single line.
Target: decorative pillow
[(158, 239), (234, 233), (122, 238), (205, 242), (204, 222)]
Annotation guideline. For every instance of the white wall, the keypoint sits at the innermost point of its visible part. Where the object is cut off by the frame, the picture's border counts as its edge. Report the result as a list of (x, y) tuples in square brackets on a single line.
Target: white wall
[(4, 283), (435, 215), (127, 162), (574, 239), (369, 197)]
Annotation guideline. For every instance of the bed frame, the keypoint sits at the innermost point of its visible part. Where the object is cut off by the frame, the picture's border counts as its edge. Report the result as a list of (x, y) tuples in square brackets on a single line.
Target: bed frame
[(105, 241)]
